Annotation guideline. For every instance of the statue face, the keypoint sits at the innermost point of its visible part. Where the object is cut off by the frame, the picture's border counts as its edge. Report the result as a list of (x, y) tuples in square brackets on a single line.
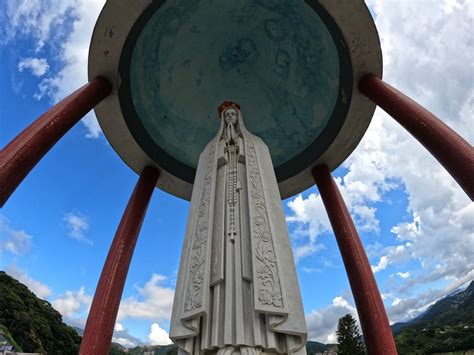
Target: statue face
[(230, 116)]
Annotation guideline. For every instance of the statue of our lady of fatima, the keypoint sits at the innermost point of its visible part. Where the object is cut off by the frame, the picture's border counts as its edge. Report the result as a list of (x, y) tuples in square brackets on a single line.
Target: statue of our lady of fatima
[(237, 290)]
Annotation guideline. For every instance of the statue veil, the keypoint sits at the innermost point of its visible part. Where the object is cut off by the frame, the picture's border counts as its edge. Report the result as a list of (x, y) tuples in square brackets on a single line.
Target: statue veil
[(237, 290)]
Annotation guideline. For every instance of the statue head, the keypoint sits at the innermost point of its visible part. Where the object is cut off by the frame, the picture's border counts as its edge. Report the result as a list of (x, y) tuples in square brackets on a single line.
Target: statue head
[(229, 111), (230, 116)]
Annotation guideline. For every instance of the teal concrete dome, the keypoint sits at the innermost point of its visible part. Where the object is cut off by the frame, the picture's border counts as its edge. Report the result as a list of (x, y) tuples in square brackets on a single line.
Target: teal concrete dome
[(278, 59), (288, 63)]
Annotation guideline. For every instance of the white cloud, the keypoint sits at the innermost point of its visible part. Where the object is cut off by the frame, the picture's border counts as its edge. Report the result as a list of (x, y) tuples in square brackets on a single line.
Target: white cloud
[(309, 216), (396, 302), (310, 219), (72, 302), (305, 250), (410, 307), (40, 289), (158, 336), (124, 342), (77, 225), (37, 66), (74, 56), (310, 270), (15, 241), (403, 275), (322, 323), (305, 210), (155, 304), (75, 306), (428, 57), (435, 68), (36, 19), (382, 264), (72, 21), (122, 337)]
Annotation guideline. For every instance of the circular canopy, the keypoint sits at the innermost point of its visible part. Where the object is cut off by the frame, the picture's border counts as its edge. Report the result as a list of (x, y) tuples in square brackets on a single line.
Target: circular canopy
[(292, 65)]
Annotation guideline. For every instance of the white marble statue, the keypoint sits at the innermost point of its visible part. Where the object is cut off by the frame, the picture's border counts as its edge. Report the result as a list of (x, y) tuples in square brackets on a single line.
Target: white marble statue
[(237, 290)]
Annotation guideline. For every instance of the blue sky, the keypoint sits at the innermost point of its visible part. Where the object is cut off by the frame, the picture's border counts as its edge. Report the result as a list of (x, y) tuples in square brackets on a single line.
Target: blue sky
[(416, 223)]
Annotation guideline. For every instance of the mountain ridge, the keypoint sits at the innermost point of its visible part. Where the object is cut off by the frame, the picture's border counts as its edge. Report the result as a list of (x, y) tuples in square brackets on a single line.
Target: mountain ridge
[(462, 297), (447, 325), (32, 322)]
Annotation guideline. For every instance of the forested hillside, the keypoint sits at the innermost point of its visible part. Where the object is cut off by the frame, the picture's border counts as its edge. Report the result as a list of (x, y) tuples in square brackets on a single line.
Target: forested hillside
[(32, 322), (448, 325)]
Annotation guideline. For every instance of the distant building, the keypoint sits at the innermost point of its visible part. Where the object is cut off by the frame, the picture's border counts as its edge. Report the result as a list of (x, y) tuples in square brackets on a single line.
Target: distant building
[(7, 349), (331, 351)]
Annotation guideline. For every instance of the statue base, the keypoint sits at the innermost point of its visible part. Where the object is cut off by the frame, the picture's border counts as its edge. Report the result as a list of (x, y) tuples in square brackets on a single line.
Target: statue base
[(231, 350)]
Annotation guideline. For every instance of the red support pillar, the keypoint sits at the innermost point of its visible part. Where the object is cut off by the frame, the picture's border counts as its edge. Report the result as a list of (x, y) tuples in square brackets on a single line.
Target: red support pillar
[(19, 156), (103, 313), (449, 148), (373, 319)]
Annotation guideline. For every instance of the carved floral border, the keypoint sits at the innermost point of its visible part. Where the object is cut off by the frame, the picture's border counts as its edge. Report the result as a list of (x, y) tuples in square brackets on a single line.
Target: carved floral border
[(267, 283), (195, 283)]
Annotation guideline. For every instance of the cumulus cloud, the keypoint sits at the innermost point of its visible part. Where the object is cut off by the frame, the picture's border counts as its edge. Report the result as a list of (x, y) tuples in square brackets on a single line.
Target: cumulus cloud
[(40, 289), (305, 250), (158, 336), (77, 225), (15, 241), (122, 337), (124, 341), (72, 302), (37, 66), (403, 275), (36, 19), (74, 306), (44, 21), (427, 56), (155, 302), (403, 309), (382, 264), (311, 213), (322, 323), (310, 219), (396, 302), (358, 188)]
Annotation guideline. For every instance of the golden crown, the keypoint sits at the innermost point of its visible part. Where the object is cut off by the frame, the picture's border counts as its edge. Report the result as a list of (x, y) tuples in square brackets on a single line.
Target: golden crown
[(227, 104)]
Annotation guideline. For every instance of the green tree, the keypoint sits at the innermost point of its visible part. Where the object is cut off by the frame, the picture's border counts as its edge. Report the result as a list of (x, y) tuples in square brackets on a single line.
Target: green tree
[(34, 324), (348, 337)]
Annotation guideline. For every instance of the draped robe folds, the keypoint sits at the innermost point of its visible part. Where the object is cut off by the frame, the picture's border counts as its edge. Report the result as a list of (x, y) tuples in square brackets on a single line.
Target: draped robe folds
[(237, 283)]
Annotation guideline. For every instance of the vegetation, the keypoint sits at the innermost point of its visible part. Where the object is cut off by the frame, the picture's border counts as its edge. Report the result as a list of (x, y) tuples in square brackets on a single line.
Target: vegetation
[(33, 323), (348, 337), (116, 349), (313, 347), (421, 341), (447, 326), (8, 336)]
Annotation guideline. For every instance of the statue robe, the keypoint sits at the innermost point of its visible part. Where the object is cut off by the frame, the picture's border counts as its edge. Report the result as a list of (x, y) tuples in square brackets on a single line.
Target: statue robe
[(237, 282)]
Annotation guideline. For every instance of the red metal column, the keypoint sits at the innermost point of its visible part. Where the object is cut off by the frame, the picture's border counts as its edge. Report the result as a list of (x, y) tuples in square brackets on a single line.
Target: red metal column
[(103, 313), (25, 151), (373, 319), (449, 148)]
